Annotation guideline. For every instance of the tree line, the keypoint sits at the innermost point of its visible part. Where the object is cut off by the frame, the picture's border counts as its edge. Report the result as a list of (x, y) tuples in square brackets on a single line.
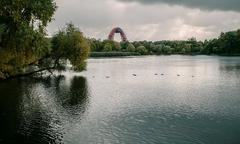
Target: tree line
[(226, 44)]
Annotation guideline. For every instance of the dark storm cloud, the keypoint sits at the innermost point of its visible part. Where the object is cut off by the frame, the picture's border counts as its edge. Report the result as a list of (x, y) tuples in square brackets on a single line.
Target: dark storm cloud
[(225, 5)]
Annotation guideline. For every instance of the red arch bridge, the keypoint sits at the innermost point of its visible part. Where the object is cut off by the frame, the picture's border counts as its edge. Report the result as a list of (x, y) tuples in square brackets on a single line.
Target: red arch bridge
[(117, 30)]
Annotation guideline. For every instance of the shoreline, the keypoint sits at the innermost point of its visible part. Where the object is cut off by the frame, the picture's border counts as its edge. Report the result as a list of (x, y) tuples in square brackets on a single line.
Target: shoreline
[(129, 54)]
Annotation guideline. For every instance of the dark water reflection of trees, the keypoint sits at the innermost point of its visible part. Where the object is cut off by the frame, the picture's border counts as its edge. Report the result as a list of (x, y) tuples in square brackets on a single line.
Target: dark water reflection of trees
[(36, 110)]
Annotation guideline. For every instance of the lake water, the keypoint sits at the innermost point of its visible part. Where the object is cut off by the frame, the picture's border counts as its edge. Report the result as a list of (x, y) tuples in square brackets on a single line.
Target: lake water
[(135, 100)]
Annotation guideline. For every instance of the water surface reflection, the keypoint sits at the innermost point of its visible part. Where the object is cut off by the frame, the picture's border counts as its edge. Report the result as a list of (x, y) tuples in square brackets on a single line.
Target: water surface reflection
[(39, 110), (111, 105)]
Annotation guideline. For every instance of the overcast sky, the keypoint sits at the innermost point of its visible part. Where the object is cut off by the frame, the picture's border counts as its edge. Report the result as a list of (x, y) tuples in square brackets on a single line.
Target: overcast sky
[(149, 19)]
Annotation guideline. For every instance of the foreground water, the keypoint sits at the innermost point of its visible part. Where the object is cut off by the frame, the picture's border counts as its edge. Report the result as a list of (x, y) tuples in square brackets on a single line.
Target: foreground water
[(142, 100)]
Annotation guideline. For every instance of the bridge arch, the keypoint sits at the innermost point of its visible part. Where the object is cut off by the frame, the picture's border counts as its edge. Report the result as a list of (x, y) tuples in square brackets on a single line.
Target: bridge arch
[(117, 30)]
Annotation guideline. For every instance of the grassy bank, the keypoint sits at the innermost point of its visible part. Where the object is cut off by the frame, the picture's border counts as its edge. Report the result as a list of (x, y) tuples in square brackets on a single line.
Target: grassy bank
[(122, 54), (112, 54), (226, 54)]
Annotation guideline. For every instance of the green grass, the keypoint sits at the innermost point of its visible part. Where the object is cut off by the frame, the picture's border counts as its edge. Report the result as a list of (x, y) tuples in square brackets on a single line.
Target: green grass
[(112, 54)]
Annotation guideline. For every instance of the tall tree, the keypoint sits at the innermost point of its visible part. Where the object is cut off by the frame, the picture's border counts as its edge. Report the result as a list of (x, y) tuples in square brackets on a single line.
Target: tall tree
[(24, 48), (69, 44), (22, 34)]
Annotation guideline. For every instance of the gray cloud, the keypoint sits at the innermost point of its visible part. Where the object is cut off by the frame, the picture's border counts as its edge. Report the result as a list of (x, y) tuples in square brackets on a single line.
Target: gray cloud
[(142, 21), (225, 5)]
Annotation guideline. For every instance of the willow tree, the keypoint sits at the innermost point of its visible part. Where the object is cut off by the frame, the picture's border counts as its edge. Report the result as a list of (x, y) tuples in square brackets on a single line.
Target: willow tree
[(69, 44), (24, 48)]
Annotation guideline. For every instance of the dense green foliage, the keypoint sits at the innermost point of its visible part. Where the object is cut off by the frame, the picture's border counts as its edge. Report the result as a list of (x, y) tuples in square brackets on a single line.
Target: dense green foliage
[(227, 43), (24, 48), (22, 33), (70, 44)]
